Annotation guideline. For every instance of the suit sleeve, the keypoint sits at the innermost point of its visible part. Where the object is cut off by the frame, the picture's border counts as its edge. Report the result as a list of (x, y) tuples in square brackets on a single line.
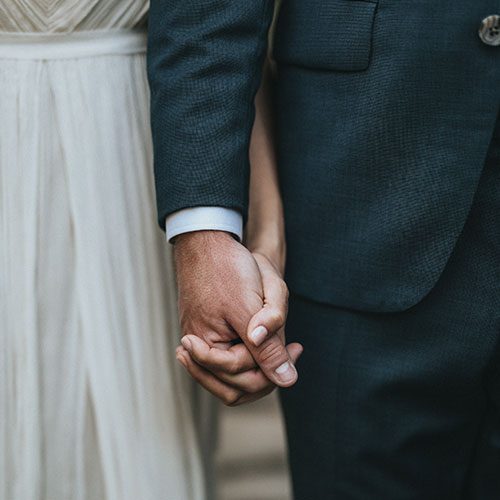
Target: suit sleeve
[(204, 68)]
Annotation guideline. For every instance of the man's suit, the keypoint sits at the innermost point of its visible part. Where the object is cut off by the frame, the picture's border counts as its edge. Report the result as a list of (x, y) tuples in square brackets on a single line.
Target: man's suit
[(386, 115), (406, 405)]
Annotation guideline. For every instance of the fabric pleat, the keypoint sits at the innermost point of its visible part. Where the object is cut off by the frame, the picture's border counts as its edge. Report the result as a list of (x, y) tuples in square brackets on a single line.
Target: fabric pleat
[(92, 406)]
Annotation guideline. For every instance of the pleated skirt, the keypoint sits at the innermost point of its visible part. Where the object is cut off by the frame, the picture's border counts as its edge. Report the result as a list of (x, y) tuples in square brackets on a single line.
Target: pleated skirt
[(92, 406)]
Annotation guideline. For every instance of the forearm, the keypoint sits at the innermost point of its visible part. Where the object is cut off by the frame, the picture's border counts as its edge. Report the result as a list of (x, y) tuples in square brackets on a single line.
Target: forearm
[(265, 232)]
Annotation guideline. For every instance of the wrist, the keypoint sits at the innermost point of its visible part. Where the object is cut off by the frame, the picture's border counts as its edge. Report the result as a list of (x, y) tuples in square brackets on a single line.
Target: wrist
[(271, 244), (197, 253), (201, 237)]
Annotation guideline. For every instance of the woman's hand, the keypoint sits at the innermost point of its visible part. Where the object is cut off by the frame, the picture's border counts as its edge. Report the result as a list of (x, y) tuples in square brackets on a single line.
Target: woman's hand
[(231, 375)]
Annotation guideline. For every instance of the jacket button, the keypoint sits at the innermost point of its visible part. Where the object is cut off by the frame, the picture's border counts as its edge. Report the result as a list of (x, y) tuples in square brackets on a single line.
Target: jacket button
[(489, 32)]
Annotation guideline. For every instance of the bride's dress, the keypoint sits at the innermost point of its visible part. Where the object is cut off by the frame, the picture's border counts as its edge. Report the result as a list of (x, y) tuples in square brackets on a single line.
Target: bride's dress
[(91, 407)]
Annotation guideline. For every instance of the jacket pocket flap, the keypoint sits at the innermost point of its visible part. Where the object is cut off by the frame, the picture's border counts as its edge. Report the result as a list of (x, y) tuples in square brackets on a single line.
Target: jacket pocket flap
[(325, 34)]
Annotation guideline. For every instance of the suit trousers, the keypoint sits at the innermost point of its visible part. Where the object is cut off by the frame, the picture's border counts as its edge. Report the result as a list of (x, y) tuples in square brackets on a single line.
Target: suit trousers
[(406, 405)]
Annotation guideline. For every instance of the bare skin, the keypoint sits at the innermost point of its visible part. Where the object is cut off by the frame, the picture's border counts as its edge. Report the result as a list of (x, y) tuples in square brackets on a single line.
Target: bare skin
[(228, 292)]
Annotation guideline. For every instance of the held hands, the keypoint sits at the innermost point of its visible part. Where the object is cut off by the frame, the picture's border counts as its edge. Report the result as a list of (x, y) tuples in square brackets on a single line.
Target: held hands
[(229, 295)]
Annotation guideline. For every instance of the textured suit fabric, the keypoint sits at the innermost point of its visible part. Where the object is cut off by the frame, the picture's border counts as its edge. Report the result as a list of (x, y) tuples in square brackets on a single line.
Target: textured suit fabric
[(205, 59), (406, 405), (385, 110), (379, 167)]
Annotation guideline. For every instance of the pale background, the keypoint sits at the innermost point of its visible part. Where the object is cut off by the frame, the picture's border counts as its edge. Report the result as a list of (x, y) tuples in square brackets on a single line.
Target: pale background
[(251, 463)]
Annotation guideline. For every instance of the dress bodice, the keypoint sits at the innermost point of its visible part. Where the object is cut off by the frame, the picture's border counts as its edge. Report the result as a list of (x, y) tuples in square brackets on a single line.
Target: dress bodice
[(66, 16)]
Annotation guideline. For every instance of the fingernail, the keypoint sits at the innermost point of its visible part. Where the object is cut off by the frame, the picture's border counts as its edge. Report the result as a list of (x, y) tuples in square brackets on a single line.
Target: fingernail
[(181, 360), (286, 372), (258, 335), (186, 343)]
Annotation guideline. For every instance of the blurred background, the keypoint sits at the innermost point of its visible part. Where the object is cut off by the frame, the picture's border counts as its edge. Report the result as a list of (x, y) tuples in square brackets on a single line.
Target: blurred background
[(251, 457)]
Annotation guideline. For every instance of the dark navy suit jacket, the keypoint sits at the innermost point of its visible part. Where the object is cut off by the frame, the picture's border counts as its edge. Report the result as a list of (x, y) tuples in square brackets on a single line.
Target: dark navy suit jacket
[(385, 110)]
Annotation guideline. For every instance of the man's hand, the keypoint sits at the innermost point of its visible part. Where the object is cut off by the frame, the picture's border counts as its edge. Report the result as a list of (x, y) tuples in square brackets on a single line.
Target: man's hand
[(220, 291)]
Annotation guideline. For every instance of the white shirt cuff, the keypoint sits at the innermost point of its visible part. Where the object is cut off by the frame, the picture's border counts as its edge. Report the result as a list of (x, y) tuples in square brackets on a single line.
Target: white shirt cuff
[(203, 219)]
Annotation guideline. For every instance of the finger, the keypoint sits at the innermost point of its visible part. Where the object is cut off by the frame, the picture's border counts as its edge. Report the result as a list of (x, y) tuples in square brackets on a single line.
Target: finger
[(251, 381), (251, 398), (254, 381), (295, 350), (234, 360), (227, 394), (274, 360), (271, 356), (272, 317)]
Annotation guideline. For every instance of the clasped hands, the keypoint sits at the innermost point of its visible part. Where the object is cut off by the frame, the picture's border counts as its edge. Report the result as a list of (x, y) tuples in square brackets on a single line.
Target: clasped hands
[(233, 306)]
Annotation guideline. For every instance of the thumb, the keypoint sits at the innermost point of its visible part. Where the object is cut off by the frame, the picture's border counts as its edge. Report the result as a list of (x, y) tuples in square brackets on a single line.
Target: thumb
[(265, 323), (272, 317), (276, 361), (264, 336)]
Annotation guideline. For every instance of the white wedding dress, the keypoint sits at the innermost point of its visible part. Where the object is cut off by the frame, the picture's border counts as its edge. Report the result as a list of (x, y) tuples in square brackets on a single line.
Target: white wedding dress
[(91, 403)]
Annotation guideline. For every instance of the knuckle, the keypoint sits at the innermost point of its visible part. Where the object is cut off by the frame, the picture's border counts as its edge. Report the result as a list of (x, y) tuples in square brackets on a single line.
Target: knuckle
[(230, 398), (278, 316), (234, 367), (188, 326), (251, 389), (258, 388), (284, 289)]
